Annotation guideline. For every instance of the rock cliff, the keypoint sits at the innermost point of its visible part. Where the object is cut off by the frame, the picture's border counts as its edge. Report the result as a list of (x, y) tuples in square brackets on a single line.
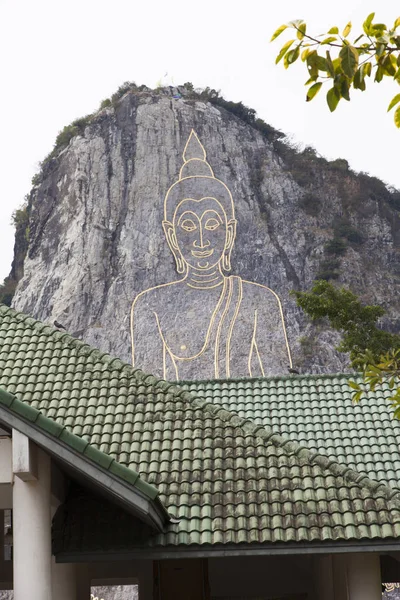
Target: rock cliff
[(96, 210)]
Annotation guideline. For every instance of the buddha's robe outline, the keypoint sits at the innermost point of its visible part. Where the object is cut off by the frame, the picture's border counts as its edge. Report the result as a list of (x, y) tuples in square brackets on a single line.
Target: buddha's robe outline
[(232, 326)]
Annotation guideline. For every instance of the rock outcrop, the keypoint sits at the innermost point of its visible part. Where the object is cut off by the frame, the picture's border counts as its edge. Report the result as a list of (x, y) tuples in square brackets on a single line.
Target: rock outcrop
[(95, 222)]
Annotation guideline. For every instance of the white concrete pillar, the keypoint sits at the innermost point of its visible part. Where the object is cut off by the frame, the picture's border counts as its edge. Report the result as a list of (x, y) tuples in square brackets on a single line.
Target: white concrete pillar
[(364, 577), (32, 534), (64, 581)]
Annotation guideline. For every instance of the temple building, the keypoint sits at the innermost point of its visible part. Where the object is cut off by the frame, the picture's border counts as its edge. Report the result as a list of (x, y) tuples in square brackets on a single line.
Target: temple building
[(251, 488)]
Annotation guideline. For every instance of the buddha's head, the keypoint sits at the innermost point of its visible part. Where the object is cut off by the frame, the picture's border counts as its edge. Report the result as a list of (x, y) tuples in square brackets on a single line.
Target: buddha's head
[(199, 215)]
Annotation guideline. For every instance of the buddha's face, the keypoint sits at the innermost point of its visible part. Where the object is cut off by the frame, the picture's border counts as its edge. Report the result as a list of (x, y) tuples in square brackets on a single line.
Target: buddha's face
[(201, 231), (199, 223)]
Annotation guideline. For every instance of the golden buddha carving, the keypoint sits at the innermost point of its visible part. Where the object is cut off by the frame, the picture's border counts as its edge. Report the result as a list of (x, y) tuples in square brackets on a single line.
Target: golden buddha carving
[(207, 324)]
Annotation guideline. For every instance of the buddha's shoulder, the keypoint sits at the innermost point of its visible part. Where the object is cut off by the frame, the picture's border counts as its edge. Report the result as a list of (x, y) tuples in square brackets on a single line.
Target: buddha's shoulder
[(251, 290), (153, 297)]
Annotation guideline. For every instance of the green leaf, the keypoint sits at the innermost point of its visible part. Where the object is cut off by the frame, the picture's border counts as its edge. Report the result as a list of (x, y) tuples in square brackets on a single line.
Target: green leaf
[(330, 65), (329, 40), (310, 80), (393, 102), (397, 75), (313, 91), (367, 23), (332, 98), (347, 29), (301, 31), (278, 32), (388, 66), (379, 74), (380, 49), (349, 60), (345, 89), (283, 51), (396, 23), (305, 53), (358, 82), (337, 65), (354, 385), (397, 117), (334, 30), (321, 63), (291, 57), (367, 69), (377, 28)]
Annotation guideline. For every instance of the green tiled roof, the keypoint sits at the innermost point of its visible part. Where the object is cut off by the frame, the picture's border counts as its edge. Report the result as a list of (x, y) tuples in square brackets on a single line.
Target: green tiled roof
[(227, 479), (78, 444), (318, 412)]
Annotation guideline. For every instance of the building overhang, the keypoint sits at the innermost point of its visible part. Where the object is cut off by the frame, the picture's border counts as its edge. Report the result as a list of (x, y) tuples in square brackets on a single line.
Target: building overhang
[(220, 551), (133, 500)]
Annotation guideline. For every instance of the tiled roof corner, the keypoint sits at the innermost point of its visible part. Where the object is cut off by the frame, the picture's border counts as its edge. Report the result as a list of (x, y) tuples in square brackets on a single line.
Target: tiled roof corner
[(80, 445)]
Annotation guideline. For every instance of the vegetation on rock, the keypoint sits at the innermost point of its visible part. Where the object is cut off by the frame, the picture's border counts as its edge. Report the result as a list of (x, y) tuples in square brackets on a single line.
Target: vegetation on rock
[(20, 220)]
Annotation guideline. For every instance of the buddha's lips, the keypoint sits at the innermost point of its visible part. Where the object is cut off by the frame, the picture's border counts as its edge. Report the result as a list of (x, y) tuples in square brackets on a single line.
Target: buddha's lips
[(203, 254)]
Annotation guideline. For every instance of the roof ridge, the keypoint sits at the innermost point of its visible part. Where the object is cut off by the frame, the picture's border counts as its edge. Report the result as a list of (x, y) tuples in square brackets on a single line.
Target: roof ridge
[(269, 378)]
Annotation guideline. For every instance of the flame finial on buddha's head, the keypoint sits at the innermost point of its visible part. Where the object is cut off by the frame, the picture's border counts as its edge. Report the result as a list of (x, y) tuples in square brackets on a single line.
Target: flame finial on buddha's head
[(195, 159)]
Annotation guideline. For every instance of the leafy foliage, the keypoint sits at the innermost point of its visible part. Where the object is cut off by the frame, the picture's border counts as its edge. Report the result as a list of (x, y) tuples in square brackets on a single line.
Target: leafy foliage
[(336, 246), (20, 220), (345, 313), (243, 112), (343, 229), (328, 269), (372, 350), (375, 372), (333, 59), (77, 127), (7, 290)]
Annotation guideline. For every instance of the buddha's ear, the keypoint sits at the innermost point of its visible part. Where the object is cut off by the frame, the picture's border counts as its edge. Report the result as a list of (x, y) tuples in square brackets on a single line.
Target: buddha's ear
[(169, 231), (230, 235), (230, 240)]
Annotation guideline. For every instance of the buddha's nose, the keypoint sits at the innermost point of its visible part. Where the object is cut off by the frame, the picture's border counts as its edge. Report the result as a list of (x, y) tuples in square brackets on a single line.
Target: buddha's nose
[(202, 242)]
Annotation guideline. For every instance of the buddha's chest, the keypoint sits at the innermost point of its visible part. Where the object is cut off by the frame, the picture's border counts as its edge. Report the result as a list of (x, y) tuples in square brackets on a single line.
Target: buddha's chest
[(190, 321)]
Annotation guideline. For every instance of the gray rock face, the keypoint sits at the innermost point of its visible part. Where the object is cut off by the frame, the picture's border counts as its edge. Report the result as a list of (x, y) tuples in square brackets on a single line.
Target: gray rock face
[(115, 592), (97, 238)]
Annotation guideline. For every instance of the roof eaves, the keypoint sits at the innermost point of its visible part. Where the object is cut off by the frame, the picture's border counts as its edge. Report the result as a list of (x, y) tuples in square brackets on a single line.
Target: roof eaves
[(102, 461)]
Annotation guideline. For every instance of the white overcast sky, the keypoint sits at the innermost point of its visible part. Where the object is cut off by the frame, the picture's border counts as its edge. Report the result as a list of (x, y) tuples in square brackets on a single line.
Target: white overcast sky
[(59, 59)]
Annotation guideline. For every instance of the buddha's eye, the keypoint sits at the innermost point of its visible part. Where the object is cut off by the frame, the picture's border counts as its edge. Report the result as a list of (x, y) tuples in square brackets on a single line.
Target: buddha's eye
[(212, 224), (188, 225)]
